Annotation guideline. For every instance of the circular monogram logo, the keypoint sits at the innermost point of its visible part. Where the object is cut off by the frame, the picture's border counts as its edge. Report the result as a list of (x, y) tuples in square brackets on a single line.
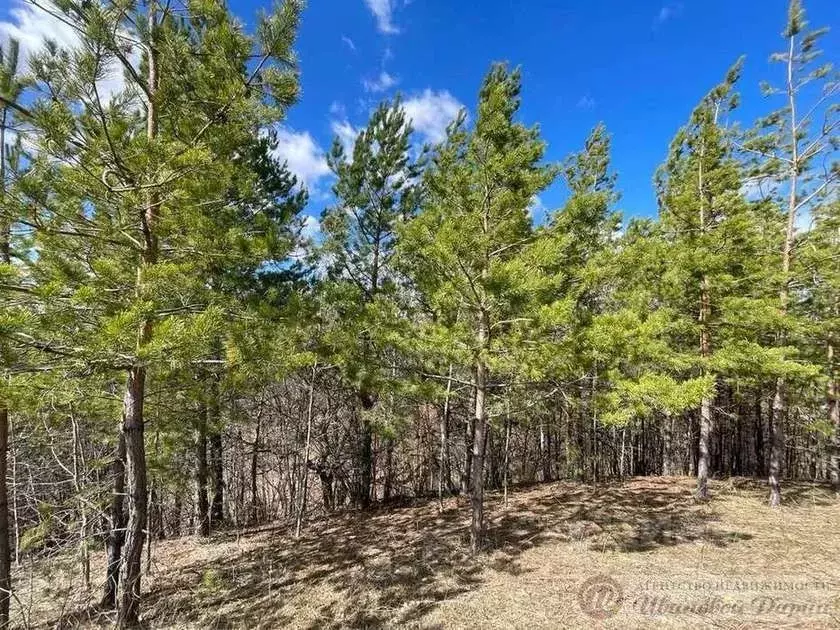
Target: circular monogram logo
[(600, 597)]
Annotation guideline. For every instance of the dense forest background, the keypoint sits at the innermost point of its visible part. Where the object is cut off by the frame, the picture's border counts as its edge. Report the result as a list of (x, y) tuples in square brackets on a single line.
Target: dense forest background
[(180, 355)]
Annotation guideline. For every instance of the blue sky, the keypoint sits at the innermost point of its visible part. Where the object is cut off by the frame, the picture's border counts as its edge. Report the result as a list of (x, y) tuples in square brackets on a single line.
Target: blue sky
[(638, 65)]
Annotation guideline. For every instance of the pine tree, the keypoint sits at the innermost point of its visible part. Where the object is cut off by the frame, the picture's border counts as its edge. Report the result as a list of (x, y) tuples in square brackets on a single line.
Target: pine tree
[(704, 217), (376, 189), (581, 234), (820, 275), (126, 192), (786, 144), (10, 88), (469, 251)]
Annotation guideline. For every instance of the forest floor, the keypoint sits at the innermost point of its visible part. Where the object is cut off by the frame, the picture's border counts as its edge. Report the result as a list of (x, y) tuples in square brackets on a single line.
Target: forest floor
[(639, 554)]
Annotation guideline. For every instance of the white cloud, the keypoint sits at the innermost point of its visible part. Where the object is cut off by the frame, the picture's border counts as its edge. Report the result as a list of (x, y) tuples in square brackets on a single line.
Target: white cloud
[(383, 10), (302, 154), (346, 134), (431, 112), (381, 83), (32, 26), (348, 42), (537, 209), (311, 227)]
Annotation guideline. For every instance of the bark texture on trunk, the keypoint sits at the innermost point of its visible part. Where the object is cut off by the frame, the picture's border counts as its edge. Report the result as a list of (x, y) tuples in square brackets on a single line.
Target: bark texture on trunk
[(128, 615), (364, 461), (777, 437), (479, 440), (5, 553), (135, 534), (834, 416), (116, 529), (202, 507), (216, 454), (217, 509), (255, 503), (777, 444), (703, 450)]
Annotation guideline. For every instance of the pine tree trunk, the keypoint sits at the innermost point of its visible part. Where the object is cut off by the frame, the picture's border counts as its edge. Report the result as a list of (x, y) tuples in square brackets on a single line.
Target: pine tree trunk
[(703, 456), (364, 457), (388, 481), (705, 350), (305, 467), (777, 439), (202, 508), (216, 458), (445, 476), (217, 513), (469, 440), (254, 468), (668, 464), (5, 552), (834, 416), (135, 449), (777, 444), (128, 615), (116, 529), (362, 494), (545, 452), (506, 471), (479, 440)]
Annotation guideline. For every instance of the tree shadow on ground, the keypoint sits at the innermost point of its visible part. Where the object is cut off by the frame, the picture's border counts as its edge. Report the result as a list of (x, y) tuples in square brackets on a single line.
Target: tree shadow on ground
[(391, 567)]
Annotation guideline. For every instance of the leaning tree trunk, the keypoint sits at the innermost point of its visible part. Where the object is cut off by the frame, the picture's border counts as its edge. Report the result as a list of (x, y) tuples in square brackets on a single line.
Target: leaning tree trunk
[(479, 441)]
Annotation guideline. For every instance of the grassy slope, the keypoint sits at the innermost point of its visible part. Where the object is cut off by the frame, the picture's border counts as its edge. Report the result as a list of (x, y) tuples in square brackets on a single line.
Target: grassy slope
[(409, 567)]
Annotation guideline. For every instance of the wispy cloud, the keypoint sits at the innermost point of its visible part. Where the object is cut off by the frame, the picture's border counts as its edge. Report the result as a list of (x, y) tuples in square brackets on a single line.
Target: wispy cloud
[(383, 10), (431, 112), (381, 83), (348, 42), (586, 102), (667, 12)]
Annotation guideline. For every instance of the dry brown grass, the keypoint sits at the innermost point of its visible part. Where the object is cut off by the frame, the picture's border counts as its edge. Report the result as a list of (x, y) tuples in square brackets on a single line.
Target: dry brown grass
[(409, 567)]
